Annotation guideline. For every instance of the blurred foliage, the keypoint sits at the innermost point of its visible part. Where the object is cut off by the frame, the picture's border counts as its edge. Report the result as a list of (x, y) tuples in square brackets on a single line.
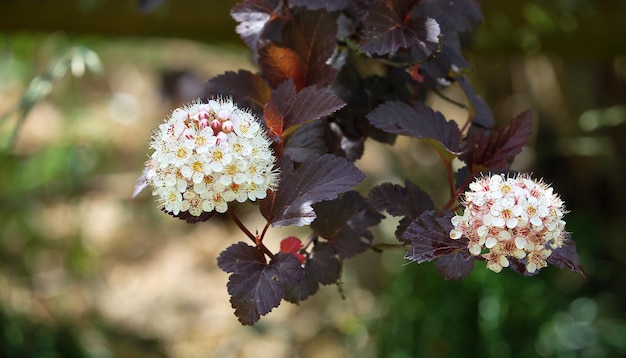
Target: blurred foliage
[(564, 59)]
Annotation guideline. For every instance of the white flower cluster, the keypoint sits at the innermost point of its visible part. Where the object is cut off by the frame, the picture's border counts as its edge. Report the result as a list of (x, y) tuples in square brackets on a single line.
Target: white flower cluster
[(207, 155), (511, 217)]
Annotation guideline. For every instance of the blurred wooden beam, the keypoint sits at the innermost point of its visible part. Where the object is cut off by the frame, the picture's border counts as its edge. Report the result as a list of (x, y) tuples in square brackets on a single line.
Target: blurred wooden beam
[(207, 20)]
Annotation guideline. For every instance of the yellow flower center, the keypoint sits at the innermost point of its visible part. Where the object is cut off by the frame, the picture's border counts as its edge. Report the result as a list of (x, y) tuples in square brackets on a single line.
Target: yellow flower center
[(181, 152), (200, 140), (197, 166), (217, 155), (231, 169)]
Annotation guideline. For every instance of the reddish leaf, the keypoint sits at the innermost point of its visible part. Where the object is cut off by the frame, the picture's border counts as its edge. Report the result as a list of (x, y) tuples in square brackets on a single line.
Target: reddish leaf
[(308, 42), (344, 222), (247, 89), (286, 108), (390, 26), (419, 121), (322, 267), (319, 179), (256, 287), (291, 245), (429, 236), (260, 20), (494, 151)]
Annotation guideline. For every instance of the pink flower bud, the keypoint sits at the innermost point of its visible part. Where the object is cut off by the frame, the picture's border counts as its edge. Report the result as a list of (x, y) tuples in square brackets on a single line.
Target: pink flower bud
[(203, 115), (216, 125), (203, 123)]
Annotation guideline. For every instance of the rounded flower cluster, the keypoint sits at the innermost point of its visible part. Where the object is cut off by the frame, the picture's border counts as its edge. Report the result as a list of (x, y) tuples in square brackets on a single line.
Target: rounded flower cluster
[(511, 217), (207, 155)]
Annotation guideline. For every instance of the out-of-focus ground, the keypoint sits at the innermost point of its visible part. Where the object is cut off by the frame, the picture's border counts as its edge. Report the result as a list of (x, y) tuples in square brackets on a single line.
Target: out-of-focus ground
[(129, 280)]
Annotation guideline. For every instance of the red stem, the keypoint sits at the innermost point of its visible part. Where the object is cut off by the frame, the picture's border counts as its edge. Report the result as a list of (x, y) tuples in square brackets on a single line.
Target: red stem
[(255, 239)]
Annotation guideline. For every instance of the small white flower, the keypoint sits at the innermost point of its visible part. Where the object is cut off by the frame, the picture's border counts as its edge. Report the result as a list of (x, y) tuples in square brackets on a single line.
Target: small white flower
[(207, 155), (511, 217)]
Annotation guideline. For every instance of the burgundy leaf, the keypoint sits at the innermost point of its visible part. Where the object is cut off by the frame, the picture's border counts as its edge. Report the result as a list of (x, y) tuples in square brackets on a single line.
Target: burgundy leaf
[(480, 112), (455, 266), (286, 108), (328, 5), (256, 287), (344, 222), (462, 15), (409, 201), (247, 89), (308, 42), (240, 257), (321, 267), (429, 236), (306, 142), (418, 121), (322, 178), (566, 257), (390, 26), (191, 219), (494, 151), (259, 20)]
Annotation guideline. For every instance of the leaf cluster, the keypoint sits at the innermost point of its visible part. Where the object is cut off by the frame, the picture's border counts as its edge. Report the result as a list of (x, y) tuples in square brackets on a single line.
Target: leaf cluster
[(332, 74)]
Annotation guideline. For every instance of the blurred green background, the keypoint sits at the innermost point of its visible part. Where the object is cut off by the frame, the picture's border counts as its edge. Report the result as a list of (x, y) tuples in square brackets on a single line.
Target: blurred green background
[(87, 272)]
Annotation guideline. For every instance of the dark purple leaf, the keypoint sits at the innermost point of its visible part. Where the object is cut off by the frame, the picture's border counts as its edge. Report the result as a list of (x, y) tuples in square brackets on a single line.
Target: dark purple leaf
[(456, 265), (344, 222), (322, 178), (259, 21), (255, 286), (241, 258), (322, 267), (494, 151), (480, 112), (409, 201), (566, 257), (419, 121), (192, 219), (390, 26), (328, 5), (308, 42), (306, 142), (288, 108), (519, 266), (462, 15), (429, 236), (247, 89)]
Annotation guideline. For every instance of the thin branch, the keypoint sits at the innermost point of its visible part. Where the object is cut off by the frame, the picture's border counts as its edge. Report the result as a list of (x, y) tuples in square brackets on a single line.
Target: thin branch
[(448, 99)]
